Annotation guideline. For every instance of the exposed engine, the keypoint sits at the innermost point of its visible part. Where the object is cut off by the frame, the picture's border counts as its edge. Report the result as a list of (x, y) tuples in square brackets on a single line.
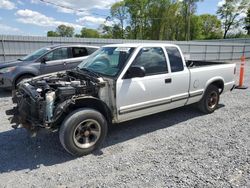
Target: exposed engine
[(40, 99)]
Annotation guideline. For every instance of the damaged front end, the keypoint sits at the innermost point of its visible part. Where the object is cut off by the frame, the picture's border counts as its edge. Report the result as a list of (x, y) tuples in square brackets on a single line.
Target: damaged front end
[(41, 102)]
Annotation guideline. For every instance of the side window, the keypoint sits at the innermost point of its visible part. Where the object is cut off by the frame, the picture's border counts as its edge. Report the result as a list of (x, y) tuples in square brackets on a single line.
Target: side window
[(60, 53), (91, 50), (152, 59), (175, 59), (79, 52)]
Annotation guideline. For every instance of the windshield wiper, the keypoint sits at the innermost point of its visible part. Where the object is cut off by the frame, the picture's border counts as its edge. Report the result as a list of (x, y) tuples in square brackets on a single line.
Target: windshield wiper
[(20, 59), (89, 71)]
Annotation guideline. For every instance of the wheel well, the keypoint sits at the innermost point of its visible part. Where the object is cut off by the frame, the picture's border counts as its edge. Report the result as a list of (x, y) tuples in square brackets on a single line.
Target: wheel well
[(219, 84), (92, 103), (22, 75)]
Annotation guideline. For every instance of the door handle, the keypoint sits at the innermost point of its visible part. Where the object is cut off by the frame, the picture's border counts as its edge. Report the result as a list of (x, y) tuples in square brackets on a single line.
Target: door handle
[(64, 63), (168, 80)]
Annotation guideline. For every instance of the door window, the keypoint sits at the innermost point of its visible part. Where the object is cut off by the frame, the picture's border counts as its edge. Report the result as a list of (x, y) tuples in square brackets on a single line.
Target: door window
[(152, 59), (79, 52), (60, 53)]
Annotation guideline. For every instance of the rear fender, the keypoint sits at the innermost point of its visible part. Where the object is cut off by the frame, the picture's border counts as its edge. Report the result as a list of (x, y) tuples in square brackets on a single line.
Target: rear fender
[(218, 81)]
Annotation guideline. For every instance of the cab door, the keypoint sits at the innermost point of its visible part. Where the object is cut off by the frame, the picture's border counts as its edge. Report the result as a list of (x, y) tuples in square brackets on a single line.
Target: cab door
[(78, 54), (56, 60), (136, 97)]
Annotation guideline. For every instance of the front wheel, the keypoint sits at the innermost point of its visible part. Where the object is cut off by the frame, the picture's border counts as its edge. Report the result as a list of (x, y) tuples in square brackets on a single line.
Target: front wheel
[(83, 131), (22, 78), (210, 100)]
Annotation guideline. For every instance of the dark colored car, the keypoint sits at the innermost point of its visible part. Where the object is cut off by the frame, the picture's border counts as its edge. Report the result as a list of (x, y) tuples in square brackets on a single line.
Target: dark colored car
[(43, 61)]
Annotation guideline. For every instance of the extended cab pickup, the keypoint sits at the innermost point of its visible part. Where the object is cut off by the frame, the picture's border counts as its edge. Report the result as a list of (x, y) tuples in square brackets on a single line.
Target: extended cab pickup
[(117, 83)]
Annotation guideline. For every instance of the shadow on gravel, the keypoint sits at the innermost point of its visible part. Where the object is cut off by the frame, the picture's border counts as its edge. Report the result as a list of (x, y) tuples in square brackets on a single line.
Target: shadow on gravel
[(134, 128), (5, 93), (20, 152)]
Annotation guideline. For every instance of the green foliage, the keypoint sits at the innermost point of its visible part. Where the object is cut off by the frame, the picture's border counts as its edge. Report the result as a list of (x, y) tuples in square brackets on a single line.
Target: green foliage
[(118, 12), (211, 27), (61, 31), (65, 31), (195, 27), (239, 34), (188, 9), (229, 13), (155, 19), (52, 34), (247, 22), (89, 33), (166, 20)]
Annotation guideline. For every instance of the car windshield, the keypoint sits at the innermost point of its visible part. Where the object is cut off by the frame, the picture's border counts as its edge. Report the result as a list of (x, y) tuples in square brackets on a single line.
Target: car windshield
[(107, 61), (36, 54)]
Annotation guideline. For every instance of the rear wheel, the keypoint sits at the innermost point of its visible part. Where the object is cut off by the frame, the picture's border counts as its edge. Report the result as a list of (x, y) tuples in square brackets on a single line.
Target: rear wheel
[(210, 100), (83, 131)]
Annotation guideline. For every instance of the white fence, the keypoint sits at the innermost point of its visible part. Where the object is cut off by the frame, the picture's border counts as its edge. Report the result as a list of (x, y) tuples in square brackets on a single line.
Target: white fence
[(13, 47)]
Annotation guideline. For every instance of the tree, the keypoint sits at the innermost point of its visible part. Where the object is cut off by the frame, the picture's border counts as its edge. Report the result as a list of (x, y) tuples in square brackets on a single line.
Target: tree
[(160, 20), (89, 33), (65, 31), (138, 17), (113, 31), (189, 8), (211, 27), (119, 11), (229, 13), (52, 34), (247, 22), (195, 27), (106, 31)]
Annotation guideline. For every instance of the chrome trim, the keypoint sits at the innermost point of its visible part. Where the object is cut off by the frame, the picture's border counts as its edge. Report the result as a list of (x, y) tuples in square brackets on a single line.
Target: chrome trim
[(179, 98), (139, 107), (195, 93), (142, 107)]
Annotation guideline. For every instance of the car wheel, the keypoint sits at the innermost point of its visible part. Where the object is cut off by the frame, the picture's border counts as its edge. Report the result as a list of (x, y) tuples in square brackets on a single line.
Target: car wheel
[(210, 100), (83, 131), (22, 78)]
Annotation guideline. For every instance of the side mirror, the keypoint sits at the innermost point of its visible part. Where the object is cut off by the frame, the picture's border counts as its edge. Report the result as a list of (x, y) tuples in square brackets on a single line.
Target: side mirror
[(135, 71), (44, 59)]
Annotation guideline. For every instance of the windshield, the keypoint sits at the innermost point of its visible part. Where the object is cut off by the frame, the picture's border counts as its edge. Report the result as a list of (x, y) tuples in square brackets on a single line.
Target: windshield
[(107, 60), (36, 54)]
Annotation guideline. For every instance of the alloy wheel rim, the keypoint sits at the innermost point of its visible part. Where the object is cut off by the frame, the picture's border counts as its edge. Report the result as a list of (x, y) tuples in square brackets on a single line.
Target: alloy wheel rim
[(212, 100), (87, 133)]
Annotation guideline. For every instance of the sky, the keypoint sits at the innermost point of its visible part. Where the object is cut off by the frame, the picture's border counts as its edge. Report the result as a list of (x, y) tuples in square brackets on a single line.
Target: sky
[(36, 17)]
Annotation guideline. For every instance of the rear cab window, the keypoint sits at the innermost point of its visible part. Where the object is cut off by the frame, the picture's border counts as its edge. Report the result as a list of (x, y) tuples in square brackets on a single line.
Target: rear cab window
[(175, 59)]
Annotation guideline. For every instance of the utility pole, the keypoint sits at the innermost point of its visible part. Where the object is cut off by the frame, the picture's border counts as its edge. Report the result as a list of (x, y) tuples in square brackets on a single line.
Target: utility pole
[(189, 21)]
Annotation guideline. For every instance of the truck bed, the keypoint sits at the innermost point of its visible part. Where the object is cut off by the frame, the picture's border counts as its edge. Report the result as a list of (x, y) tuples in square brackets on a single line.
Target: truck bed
[(195, 63)]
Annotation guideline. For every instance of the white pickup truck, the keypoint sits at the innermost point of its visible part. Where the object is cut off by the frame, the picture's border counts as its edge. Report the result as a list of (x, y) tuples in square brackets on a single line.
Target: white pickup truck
[(117, 83)]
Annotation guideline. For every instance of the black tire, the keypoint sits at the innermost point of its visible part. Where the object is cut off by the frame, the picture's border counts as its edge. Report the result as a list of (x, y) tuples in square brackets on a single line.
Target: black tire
[(76, 130), (210, 100), (21, 78)]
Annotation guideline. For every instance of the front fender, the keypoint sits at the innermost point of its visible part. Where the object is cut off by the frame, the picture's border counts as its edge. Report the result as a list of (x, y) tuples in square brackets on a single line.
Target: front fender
[(79, 102), (22, 70)]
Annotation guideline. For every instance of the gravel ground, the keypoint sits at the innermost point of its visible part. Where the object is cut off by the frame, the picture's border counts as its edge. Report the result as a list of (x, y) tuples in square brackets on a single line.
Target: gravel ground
[(177, 148)]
